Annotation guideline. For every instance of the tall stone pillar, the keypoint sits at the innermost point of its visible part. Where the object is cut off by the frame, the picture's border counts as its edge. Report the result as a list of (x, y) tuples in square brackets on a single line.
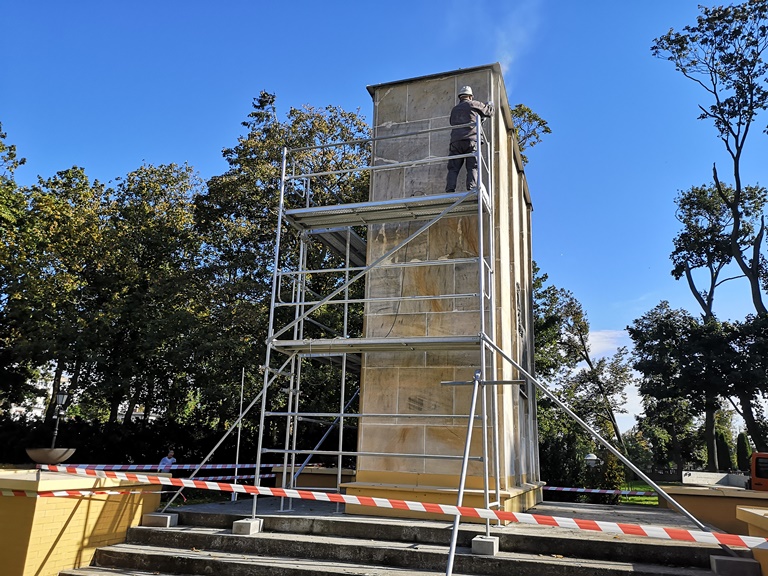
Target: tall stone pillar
[(429, 289)]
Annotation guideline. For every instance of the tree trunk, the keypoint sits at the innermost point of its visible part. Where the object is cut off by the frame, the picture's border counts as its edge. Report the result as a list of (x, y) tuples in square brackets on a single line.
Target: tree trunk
[(751, 270), (676, 453), (114, 407), (54, 391), (753, 428), (129, 412)]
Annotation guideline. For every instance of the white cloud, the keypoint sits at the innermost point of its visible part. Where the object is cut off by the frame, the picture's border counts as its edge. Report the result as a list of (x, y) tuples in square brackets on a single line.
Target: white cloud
[(606, 342)]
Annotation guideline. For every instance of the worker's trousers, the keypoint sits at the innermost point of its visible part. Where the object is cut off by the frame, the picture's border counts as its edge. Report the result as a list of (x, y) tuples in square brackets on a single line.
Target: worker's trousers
[(455, 164)]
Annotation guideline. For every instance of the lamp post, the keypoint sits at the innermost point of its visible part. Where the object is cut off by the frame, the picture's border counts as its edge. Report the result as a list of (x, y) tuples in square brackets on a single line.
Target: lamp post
[(61, 399), (591, 460)]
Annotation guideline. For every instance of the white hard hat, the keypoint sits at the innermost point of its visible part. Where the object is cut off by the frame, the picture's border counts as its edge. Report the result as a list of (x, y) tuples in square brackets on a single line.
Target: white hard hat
[(465, 90)]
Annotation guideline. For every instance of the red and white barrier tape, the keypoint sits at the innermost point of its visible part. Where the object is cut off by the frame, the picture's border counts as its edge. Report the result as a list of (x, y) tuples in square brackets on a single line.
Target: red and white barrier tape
[(154, 467), (573, 523), (61, 493), (597, 491), (246, 477)]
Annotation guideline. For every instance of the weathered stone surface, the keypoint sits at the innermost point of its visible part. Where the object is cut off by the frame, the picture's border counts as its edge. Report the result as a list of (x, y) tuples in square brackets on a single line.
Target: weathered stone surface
[(434, 281)]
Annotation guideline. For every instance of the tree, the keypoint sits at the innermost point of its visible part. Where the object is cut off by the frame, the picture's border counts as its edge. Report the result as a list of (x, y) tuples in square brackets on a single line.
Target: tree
[(563, 443), (150, 299), (54, 248), (724, 452), (551, 358), (591, 387), (748, 379), (669, 427), (743, 452), (529, 128), (601, 381), (723, 53), (15, 371), (659, 337), (237, 216), (11, 202), (704, 243)]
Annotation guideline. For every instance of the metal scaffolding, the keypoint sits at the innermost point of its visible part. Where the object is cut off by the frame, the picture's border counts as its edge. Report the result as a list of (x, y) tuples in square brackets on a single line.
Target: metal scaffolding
[(301, 344)]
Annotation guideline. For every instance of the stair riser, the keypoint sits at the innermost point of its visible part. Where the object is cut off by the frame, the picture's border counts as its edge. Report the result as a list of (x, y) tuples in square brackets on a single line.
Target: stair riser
[(476, 565), (161, 564), (320, 551), (411, 558), (548, 543)]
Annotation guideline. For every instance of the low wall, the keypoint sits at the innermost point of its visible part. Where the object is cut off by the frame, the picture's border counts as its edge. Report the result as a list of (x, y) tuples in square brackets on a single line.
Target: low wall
[(714, 479), (717, 506), (40, 536)]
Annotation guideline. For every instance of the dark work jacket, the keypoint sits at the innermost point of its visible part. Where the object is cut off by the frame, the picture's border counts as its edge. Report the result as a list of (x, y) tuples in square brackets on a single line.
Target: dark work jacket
[(464, 112)]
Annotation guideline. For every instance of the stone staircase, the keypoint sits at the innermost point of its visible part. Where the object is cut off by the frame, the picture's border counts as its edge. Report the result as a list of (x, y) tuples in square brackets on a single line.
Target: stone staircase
[(294, 545)]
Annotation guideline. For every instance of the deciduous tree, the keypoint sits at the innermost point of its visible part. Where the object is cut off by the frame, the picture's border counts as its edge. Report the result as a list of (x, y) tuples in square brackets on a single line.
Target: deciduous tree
[(723, 54)]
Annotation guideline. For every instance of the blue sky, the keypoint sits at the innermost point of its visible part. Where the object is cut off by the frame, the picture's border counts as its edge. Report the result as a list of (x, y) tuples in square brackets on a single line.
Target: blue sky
[(110, 85)]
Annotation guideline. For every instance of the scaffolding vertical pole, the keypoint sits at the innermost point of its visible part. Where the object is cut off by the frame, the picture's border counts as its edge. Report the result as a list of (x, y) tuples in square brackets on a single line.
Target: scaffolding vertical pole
[(482, 304), (271, 327), (496, 449), (239, 430), (345, 334)]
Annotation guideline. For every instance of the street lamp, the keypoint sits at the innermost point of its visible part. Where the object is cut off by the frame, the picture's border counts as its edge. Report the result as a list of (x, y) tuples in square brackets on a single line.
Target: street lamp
[(591, 460), (61, 399)]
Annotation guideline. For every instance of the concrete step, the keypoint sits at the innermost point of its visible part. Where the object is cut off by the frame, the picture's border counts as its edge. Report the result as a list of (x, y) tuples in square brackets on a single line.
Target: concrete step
[(191, 550), (97, 571), (134, 560), (518, 538)]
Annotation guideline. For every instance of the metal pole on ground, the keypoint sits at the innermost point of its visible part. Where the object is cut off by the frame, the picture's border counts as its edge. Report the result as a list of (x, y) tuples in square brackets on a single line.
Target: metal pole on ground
[(544, 390), (463, 476), (239, 430)]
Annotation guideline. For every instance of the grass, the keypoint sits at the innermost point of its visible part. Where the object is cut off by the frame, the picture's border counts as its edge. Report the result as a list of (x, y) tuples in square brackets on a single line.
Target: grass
[(639, 500), (642, 487)]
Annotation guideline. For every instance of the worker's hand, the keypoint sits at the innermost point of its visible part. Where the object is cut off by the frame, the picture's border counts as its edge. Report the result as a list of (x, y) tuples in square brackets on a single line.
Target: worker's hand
[(489, 103)]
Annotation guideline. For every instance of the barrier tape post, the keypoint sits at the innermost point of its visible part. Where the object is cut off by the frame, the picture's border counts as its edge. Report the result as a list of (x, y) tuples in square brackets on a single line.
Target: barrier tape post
[(447, 509)]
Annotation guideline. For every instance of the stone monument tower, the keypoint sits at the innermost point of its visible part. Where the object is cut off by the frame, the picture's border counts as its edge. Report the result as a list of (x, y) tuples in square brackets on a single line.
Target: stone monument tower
[(449, 297)]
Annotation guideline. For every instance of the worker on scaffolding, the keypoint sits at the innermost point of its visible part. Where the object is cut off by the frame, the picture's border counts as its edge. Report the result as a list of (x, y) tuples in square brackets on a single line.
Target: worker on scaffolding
[(464, 138)]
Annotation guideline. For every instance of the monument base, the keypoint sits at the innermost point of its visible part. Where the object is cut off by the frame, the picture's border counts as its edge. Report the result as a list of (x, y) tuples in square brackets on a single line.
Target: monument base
[(415, 487)]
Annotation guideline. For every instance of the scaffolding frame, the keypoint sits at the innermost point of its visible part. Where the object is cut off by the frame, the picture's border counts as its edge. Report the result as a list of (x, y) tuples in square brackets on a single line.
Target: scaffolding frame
[(334, 225)]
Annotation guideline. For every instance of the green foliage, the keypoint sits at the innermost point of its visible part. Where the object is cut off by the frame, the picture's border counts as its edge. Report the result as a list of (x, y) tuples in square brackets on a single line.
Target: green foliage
[(639, 448), (237, 216), (529, 128), (724, 450), (562, 447), (550, 312), (678, 356), (592, 388), (668, 429), (151, 295), (723, 53), (10, 206), (16, 372), (705, 242), (743, 452)]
